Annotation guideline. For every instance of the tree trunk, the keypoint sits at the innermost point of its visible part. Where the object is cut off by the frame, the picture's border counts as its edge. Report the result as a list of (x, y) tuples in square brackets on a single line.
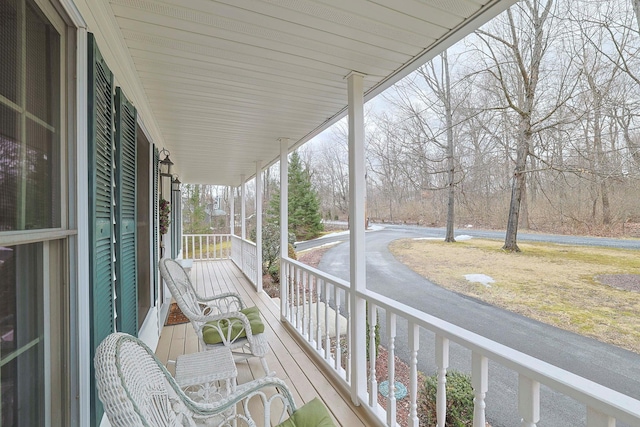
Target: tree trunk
[(601, 164), (524, 207), (518, 185), (606, 208), (519, 181), (450, 152)]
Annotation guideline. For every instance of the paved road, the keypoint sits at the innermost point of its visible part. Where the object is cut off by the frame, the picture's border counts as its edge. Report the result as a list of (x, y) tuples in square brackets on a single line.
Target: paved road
[(416, 231), (608, 365)]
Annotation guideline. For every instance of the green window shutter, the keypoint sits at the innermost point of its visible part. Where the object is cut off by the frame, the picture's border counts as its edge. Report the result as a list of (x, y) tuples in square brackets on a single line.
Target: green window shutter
[(126, 265), (156, 226), (101, 188)]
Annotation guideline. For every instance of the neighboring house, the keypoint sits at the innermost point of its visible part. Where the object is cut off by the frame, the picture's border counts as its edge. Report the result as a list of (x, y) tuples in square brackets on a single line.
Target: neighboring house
[(91, 91)]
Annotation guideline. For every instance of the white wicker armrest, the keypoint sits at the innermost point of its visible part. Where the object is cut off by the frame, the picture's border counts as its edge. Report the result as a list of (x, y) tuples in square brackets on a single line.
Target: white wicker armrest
[(233, 295), (222, 303), (246, 391)]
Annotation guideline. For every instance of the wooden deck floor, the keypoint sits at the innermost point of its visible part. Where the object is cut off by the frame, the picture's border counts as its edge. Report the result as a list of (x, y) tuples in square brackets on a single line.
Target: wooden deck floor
[(287, 358)]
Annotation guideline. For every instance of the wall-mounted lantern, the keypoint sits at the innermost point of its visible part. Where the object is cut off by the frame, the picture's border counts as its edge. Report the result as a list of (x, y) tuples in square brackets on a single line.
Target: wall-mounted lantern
[(165, 164), (175, 184)]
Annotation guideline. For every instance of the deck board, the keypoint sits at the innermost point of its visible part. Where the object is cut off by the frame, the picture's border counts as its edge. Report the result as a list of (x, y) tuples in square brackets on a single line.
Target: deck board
[(287, 357)]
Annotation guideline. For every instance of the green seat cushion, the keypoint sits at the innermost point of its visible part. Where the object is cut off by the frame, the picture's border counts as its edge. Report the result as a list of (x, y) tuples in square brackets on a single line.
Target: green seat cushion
[(312, 414), (211, 335)]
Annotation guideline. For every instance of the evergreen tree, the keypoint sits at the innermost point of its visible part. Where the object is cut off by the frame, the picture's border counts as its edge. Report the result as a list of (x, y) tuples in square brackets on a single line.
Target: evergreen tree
[(304, 207)]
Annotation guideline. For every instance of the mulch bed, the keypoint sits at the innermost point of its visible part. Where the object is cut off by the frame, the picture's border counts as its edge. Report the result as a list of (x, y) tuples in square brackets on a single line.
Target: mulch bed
[(175, 316), (402, 374)]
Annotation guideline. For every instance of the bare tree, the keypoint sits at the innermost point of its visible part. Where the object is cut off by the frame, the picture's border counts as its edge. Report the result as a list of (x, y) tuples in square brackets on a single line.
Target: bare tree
[(515, 47), (440, 85), (429, 105)]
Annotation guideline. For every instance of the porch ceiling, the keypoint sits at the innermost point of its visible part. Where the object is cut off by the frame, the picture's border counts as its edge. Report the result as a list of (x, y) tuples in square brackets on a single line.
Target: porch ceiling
[(225, 79)]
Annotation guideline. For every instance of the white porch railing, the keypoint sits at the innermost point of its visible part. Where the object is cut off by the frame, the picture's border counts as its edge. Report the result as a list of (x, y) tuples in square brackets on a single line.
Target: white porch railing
[(313, 297), (243, 254), (210, 247), (206, 247)]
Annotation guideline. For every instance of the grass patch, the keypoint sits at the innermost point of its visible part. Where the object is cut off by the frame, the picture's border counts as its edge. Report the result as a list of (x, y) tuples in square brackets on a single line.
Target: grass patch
[(555, 284), (207, 251)]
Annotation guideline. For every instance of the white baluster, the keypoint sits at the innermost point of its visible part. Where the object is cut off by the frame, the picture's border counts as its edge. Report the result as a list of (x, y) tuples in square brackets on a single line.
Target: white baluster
[(292, 291), (336, 298), (596, 418), (309, 308), (391, 365), (318, 329), (347, 297), (442, 363), (414, 346), (373, 382), (327, 339), (310, 330), (312, 293), (528, 401), (479, 380), (303, 303), (297, 285)]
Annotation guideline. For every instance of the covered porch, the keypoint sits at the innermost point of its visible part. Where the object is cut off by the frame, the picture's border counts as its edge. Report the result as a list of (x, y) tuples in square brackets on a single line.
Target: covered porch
[(246, 83)]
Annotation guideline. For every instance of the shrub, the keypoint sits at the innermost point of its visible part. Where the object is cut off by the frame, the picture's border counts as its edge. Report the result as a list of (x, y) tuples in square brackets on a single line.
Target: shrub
[(459, 400), (274, 272), (291, 251), (271, 245), (274, 267)]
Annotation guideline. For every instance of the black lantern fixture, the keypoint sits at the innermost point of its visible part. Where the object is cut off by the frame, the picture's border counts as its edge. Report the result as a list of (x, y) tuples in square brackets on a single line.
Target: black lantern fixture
[(175, 184), (165, 164)]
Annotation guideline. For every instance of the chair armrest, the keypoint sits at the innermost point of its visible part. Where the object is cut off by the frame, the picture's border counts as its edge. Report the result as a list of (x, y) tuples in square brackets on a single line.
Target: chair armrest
[(262, 388), (221, 303)]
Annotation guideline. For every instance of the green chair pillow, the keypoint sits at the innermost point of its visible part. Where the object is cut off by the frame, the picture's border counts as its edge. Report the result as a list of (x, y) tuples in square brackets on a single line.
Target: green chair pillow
[(210, 335), (312, 414)]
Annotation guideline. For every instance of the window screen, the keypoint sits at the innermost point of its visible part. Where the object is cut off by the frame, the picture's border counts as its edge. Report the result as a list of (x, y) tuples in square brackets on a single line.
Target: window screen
[(29, 118)]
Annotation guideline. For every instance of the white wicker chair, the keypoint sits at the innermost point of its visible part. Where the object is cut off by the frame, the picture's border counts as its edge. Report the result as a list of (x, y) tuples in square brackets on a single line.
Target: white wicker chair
[(137, 390), (202, 310)]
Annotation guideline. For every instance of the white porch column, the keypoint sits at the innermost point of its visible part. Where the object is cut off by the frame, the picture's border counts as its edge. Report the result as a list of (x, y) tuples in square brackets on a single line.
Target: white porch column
[(356, 234), (243, 212), (232, 210), (243, 220), (284, 223), (259, 226)]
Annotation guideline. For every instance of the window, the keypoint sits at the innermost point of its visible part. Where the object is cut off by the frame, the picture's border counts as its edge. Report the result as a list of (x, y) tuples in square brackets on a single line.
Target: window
[(29, 118), (21, 335), (34, 293)]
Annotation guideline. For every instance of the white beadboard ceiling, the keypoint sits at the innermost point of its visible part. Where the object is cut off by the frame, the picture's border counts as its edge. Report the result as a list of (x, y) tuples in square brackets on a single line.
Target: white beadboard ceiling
[(225, 79)]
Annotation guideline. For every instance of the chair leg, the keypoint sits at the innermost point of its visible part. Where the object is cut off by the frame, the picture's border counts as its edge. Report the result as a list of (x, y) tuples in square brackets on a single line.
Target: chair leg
[(268, 373)]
